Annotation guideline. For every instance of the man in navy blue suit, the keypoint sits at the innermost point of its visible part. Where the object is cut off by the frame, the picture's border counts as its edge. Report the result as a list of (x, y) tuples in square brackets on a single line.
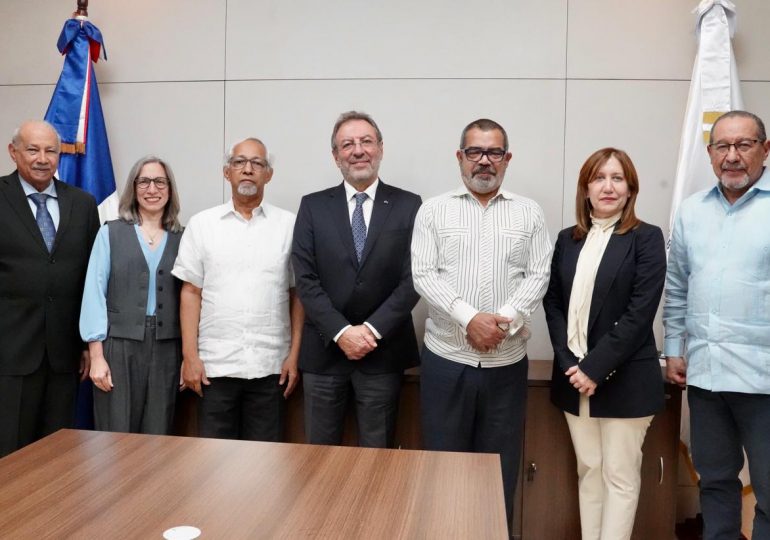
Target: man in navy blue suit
[(353, 272)]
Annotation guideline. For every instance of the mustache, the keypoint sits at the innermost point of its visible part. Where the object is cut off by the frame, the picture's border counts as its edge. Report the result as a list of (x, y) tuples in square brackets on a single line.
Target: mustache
[(483, 169)]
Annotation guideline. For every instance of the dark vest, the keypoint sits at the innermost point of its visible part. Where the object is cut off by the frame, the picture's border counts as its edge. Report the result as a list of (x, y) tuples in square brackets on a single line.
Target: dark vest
[(129, 280)]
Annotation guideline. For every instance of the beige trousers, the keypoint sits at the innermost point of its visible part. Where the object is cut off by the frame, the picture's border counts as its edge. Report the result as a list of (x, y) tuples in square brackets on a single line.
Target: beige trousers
[(609, 459)]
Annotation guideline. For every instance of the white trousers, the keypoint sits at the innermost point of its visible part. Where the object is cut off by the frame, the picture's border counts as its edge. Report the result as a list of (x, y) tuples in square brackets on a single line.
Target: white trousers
[(609, 459)]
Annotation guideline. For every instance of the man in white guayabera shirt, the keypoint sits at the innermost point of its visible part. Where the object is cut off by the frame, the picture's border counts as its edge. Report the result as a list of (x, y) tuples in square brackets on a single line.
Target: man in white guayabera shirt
[(241, 322), (481, 259)]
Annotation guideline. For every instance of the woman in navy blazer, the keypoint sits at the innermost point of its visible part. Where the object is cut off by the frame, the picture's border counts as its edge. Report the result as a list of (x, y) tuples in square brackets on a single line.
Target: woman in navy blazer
[(607, 276)]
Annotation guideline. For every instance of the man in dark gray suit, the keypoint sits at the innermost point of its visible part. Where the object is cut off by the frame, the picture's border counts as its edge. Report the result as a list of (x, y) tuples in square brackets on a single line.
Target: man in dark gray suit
[(47, 231), (352, 266)]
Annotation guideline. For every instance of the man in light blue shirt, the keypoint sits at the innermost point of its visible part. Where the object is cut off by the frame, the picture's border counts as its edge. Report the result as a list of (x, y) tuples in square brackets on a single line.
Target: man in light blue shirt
[(717, 319)]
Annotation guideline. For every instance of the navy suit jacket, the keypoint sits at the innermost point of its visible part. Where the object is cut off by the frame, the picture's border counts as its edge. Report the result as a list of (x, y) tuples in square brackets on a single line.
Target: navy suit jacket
[(41, 292), (336, 290), (622, 356)]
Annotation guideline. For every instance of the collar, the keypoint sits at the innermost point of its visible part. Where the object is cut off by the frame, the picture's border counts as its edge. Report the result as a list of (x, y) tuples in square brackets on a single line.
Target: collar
[(29, 190), (762, 184), (350, 191), (229, 209), (606, 223), (463, 191)]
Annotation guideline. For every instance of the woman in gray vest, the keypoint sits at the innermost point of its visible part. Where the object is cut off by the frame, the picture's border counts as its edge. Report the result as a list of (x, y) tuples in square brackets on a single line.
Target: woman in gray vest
[(130, 311)]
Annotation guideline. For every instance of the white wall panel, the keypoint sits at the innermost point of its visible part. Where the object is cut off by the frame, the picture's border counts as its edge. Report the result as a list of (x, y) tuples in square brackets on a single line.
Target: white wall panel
[(750, 41), (17, 104), (30, 29), (623, 39), (756, 98), (168, 40), (179, 122), (399, 38), (421, 123)]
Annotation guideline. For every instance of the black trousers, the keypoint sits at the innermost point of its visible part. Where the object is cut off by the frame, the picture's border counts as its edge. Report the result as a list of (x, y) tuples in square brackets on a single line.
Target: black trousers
[(35, 405), (722, 425), (376, 399), (472, 409), (246, 409)]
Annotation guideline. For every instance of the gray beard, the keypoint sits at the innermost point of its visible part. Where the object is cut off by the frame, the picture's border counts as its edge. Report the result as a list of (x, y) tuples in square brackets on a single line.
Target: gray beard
[(737, 186), (247, 190), (482, 186)]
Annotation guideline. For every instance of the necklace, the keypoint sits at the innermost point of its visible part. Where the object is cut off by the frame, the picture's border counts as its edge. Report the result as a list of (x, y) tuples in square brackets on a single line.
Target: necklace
[(151, 237)]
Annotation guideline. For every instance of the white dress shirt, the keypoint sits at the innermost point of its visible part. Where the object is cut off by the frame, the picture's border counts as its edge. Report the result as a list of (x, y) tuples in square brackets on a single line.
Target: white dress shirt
[(366, 207), (244, 270), (467, 258)]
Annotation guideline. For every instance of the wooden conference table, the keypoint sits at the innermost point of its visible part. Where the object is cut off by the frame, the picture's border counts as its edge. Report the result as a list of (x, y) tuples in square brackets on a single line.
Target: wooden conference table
[(85, 484)]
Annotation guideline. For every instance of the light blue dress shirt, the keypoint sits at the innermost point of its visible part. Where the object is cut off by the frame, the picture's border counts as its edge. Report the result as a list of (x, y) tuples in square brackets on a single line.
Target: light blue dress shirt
[(52, 202), (717, 308), (93, 312)]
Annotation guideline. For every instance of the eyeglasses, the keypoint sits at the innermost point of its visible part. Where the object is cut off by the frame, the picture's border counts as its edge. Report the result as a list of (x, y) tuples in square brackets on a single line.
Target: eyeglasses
[(743, 146), (474, 153), (240, 163), (143, 182), (367, 144)]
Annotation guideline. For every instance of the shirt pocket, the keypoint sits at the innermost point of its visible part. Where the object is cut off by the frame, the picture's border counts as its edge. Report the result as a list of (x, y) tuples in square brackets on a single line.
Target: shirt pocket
[(451, 241), (515, 246)]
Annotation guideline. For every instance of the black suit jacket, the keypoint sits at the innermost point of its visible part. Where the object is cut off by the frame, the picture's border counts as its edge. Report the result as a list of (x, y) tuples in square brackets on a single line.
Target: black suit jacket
[(336, 291), (40, 292), (622, 357)]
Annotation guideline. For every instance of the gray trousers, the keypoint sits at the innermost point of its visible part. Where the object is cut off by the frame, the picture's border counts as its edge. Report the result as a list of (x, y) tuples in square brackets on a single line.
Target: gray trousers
[(145, 378)]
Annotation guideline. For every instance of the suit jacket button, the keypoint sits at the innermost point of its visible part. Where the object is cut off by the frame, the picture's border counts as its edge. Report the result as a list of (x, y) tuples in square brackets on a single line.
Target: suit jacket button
[(160, 289), (160, 323), (160, 306), (160, 272)]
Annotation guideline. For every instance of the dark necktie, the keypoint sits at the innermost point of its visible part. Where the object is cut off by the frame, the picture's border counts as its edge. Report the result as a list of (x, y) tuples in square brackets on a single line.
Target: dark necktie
[(359, 225), (44, 219)]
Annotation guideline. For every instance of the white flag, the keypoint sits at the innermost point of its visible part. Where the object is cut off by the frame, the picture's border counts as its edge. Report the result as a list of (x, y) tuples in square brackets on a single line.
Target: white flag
[(714, 90)]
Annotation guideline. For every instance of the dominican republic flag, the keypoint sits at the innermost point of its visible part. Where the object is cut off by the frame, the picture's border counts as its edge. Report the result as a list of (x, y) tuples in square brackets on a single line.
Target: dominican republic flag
[(76, 113)]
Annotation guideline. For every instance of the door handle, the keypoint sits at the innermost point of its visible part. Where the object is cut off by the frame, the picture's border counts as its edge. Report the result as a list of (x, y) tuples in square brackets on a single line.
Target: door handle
[(660, 477), (531, 470)]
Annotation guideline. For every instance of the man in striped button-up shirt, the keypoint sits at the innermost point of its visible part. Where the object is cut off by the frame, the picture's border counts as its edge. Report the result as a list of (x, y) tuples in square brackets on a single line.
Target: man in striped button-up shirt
[(481, 259)]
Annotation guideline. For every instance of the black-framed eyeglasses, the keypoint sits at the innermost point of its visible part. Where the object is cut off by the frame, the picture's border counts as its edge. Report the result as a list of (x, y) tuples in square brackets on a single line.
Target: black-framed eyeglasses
[(143, 182), (240, 162), (474, 153), (743, 146)]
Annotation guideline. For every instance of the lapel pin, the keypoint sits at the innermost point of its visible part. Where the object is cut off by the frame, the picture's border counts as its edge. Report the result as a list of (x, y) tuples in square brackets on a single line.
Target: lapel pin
[(385, 201)]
